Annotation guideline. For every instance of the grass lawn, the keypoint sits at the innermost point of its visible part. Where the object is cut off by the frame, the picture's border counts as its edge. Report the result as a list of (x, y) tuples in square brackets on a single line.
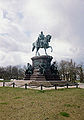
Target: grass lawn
[(21, 104), (5, 80)]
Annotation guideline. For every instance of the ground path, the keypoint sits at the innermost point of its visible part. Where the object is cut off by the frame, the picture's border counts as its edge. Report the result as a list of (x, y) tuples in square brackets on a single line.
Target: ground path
[(23, 82)]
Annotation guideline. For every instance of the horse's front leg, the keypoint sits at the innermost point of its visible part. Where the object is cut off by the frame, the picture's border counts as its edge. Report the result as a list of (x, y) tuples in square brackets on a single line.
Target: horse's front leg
[(45, 51), (51, 48)]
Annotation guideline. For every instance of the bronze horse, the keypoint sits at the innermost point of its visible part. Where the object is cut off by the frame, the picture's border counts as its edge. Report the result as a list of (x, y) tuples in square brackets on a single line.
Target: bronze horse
[(42, 44)]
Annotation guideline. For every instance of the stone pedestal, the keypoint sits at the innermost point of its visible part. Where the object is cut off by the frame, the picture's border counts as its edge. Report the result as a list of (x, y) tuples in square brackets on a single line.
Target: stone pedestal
[(45, 62), (41, 60), (27, 77), (37, 76)]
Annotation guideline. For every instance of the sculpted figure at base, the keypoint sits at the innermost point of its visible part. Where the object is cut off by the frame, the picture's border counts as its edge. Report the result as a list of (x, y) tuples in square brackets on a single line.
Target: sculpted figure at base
[(42, 69), (29, 69), (42, 42), (53, 68)]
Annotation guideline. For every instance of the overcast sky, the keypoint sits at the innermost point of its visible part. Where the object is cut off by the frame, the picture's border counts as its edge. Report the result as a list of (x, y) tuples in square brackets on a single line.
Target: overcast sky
[(21, 21)]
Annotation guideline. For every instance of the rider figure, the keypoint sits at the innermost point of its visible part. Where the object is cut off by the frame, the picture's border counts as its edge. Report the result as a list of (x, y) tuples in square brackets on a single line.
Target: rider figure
[(41, 39)]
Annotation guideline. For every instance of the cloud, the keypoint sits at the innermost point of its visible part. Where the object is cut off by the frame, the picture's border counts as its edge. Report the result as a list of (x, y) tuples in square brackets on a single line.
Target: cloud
[(21, 22)]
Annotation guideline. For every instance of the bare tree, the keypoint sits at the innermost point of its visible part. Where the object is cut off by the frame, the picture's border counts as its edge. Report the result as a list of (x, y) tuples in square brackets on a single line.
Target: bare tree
[(80, 72), (67, 70)]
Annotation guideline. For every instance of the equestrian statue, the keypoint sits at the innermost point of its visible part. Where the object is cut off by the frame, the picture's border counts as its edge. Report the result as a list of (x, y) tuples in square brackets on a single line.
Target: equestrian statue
[(42, 42)]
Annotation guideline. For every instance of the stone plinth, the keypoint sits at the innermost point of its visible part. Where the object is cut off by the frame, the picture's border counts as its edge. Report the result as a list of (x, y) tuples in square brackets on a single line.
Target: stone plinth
[(42, 69), (27, 77), (41, 60), (37, 62), (37, 76)]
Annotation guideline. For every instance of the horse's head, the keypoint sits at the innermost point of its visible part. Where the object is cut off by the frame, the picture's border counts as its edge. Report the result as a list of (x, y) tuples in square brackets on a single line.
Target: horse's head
[(48, 37)]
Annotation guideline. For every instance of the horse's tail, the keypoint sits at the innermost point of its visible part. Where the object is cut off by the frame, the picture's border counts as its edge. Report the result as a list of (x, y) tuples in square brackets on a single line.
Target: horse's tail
[(33, 47)]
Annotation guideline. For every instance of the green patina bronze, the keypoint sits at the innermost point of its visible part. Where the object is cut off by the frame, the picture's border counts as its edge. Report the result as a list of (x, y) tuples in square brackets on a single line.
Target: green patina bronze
[(42, 69), (29, 69), (42, 63), (42, 42)]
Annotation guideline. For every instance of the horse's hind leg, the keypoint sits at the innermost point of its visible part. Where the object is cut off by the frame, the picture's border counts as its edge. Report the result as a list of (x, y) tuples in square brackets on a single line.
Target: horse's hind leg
[(33, 47), (37, 53)]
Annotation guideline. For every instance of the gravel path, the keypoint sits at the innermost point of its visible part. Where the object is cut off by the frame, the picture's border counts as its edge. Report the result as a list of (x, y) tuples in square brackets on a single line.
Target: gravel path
[(81, 85), (22, 82)]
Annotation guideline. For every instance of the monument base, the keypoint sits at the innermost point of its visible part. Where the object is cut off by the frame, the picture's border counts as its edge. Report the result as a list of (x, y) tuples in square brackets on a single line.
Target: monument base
[(46, 77), (44, 60), (36, 76), (42, 69), (27, 77)]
